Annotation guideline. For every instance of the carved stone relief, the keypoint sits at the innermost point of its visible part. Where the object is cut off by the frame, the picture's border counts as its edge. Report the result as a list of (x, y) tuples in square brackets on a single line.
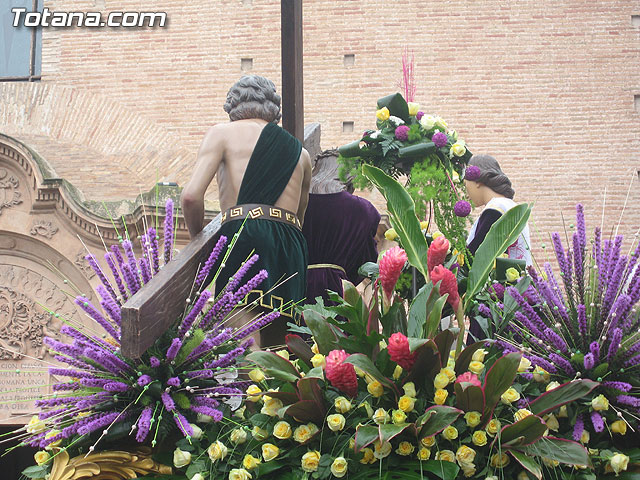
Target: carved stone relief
[(83, 265), (9, 194), (44, 228)]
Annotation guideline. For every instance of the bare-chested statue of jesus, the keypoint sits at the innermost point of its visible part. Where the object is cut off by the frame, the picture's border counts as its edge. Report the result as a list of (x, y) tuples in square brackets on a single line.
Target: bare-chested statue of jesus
[(263, 174)]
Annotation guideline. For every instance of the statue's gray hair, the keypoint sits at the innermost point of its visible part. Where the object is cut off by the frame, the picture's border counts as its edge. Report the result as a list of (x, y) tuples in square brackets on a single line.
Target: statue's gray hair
[(324, 177), (253, 96)]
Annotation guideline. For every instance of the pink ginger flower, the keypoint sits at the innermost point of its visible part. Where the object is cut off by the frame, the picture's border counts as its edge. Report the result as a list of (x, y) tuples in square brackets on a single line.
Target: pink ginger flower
[(391, 265), (437, 252), (468, 377), (449, 284), (399, 351), (341, 375)]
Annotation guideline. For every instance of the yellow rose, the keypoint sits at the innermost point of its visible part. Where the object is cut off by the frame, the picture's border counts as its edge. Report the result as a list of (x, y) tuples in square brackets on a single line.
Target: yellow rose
[(339, 467), (342, 404), (455, 176), (550, 463), (381, 450), (335, 422), (424, 224), (256, 375), (398, 417), (254, 393), (217, 451), (476, 367), (440, 123), (53, 433), (450, 433), (409, 389), (302, 434), (380, 416), (397, 372), (440, 396), (424, 454), (239, 474), (446, 456), (406, 403), (405, 448), (512, 274), (318, 360), (509, 396), (283, 353), (259, 433), (238, 436), (310, 461), (465, 455), (42, 457), (35, 425), (478, 355), (375, 389), (428, 441), (271, 406), (441, 380), (314, 348), (367, 456), (493, 427), (269, 452), (413, 108), (540, 374), (563, 413), (552, 385), (479, 438), (619, 462), (585, 437), (437, 234), (472, 419), (282, 430), (525, 365), (181, 458), (367, 407), (552, 422), (383, 114), (619, 426), (499, 460), (600, 403), (520, 414), (469, 469), (250, 462), (458, 149)]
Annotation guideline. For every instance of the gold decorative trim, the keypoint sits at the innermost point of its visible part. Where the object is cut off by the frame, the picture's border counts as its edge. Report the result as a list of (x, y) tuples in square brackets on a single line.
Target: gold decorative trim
[(326, 265)]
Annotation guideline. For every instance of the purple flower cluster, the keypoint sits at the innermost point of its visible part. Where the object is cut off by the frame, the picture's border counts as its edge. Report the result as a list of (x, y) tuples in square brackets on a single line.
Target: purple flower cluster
[(472, 173), (440, 139), (402, 133), (462, 208)]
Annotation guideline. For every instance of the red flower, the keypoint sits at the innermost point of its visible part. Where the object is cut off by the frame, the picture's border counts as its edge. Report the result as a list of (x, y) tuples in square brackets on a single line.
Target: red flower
[(399, 351), (341, 375), (468, 377), (449, 284), (391, 265), (437, 252)]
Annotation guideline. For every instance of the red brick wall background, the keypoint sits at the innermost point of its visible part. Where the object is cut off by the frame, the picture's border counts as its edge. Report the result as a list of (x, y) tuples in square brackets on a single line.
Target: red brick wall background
[(546, 87)]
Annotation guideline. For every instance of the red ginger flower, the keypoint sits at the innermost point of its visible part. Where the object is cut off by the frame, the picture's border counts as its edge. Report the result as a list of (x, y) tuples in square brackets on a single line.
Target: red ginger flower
[(437, 252), (468, 377), (449, 284), (341, 375), (391, 265), (399, 352)]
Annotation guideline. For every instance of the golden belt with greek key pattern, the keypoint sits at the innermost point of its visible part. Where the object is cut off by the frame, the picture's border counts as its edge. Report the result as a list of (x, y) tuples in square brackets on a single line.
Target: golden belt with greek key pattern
[(255, 211)]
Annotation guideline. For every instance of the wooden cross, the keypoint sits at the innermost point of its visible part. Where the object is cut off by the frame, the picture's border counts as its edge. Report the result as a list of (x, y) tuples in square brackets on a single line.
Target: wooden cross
[(157, 305)]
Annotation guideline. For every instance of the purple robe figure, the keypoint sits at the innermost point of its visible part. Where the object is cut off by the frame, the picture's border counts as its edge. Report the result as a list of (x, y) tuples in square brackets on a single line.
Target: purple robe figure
[(340, 229)]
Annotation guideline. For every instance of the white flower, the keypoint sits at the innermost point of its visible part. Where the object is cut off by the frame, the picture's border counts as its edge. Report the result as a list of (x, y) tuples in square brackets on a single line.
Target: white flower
[(395, 120), (227, 376), (197, 432), (234, 402), (374, 135), (427, 122)]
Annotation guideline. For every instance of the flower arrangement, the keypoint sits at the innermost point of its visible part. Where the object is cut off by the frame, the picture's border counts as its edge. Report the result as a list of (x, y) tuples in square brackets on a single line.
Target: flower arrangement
[(190, 374), (583, 325), (409, 142)]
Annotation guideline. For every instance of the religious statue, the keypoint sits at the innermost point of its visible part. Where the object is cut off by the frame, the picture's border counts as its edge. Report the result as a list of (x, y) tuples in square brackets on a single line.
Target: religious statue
[(263, 176)]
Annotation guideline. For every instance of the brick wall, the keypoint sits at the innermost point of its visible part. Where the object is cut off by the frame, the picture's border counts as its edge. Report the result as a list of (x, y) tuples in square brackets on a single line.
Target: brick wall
[(546, 87)]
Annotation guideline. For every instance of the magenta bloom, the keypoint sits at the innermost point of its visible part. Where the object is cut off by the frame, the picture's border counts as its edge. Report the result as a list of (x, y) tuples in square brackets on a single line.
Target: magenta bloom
[(419, 115), (402, 133), (439, 139), (469, 377), (391, 265), (472, 173), (462, 208), (341, 375)]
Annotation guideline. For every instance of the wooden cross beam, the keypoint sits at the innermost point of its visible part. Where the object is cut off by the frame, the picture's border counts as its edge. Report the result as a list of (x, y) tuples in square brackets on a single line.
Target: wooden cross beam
[(161, 302)]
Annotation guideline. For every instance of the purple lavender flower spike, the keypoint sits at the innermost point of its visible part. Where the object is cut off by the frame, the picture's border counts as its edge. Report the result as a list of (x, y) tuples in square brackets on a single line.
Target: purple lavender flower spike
[(603, 266), (131, 278), (193, 314), (578, 428), (239, 275), (595, 350), (131, 257), (582, 322), (614, 256), (116, 275), (116, 387), (632, 362), (154, 362), (578, 265), (208, 344), (631, 266), (596, 420), (168, 230), (256, 325), (588, 361), (613, 282), (212, 412), (152, 235), (243, 291), (174, 382), (226, 359), (484, 310), (614, 344), (204, 272), (628, 400), (144, 380), (556, 340), (144, 270), (621, 386), (563, 363), (110, 362), (85, 305), (91, 259), (581, 228), (102, 421), (173, 350), (214, 311), (109, 305), (144, 424), (168, 402), (183, 424)]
